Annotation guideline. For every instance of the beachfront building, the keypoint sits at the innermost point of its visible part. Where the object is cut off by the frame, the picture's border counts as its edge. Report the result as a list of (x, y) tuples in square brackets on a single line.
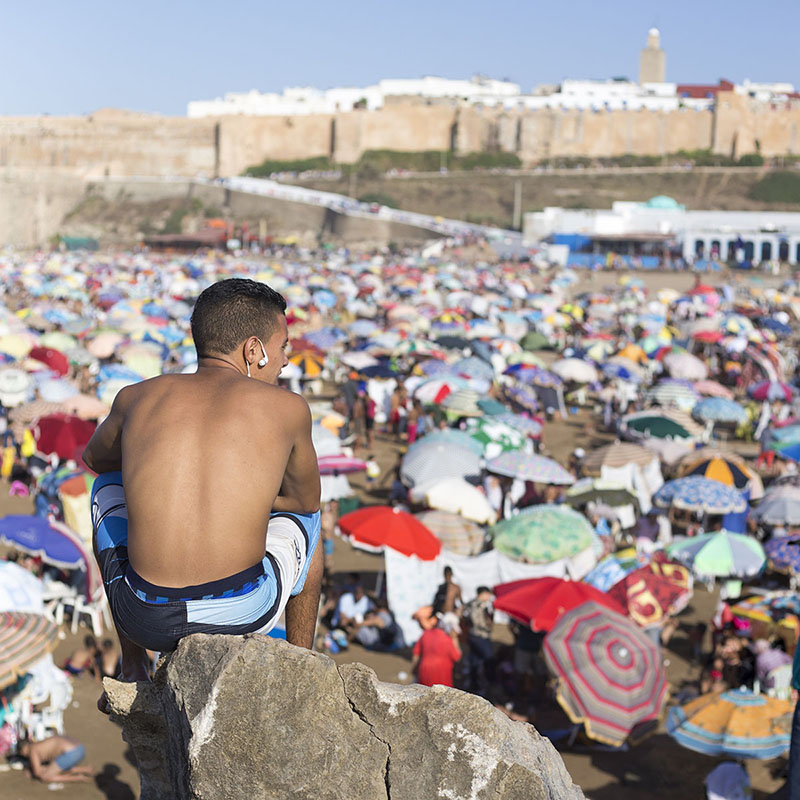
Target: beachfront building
[(661, 228)]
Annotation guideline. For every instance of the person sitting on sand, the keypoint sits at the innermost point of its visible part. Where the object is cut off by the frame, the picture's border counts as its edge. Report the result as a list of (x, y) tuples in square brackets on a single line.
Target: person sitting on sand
[(107, 659), (55, 759), (206, 508)]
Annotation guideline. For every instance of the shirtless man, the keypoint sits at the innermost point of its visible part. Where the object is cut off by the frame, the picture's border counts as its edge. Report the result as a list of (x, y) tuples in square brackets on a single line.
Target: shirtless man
[(56, 759), (216, 528)]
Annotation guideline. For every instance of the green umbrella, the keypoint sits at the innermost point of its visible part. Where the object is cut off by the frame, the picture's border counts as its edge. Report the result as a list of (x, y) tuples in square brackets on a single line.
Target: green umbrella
[(660, 427), (491, 407), (542, 534), (719, 555), (496, 437), (599, 490), (533, 340)]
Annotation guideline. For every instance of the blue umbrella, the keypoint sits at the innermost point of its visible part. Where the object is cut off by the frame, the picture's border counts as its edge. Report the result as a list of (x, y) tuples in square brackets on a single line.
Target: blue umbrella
[(719, 409), (473, 367), (362, 327), (530, 427), (434, 366), (523, 396), (695, 493), (536, 376), (117, 372), (36, 536)]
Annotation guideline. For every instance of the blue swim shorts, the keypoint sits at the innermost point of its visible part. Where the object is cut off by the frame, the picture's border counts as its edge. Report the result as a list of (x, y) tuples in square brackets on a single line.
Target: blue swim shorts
[(158, 617), (66, 761)]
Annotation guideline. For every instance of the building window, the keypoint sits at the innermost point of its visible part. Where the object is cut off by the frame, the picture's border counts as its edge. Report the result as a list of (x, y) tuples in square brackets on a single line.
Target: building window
[(716, 248), (699, 248), (749, 251), (766, 251)]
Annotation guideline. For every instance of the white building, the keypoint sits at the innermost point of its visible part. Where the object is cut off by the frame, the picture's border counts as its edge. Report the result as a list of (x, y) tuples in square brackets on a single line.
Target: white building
[(307, 100), (765, 92), (760, 235)]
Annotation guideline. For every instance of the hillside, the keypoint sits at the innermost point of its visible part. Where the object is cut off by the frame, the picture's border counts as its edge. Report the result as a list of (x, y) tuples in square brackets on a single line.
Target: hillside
[(489, 198)]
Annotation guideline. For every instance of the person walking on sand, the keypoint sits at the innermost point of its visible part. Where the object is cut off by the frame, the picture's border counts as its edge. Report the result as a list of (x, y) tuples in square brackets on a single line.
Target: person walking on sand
[(206, 506)]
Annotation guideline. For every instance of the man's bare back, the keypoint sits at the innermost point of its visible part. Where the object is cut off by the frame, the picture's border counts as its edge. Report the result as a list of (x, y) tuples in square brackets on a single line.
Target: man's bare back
[(222, 444)]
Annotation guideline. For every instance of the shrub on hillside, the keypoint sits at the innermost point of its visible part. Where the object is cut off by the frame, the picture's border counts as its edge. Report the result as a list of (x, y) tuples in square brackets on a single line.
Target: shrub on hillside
[(777, 187)]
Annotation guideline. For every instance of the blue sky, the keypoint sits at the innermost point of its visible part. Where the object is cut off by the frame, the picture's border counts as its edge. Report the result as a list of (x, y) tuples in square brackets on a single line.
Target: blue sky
[(75, 57)]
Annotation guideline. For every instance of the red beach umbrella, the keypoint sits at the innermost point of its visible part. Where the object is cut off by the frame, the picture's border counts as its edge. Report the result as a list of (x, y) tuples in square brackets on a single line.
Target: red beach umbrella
[(376, 527), (63, 435), (540, 602), (54, 359), (650, 594)]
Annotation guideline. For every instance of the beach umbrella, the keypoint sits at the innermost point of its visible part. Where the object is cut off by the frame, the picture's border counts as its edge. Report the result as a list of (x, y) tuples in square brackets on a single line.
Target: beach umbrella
[(446, 437), (736, 723), (535, 376), (523, 358), (52, 359), (627, 371), (713, 389), (662, 423), (783, 553), (718, 409), (616, 455), (376, 527), (334, 487), (456, 496), (612, 569), (495, 436), (43, 538), (695, 493), (63, 434), (610, 673), (85, 406), (473, 367), (339, 464), (685, 365), (533, 340), (17, 345), (462, 403), (523, 396), (362, 328), (457, 535), (16, 386), (540, 602), (434, 390), (719, 555), (530, 467), (543, 534), (310, 363), (575, 370), (57, 390), (771, 390), (20, 590), (727, 468), (599, 490), (649, 594), (432, 461), (526, 425), (57, 340), (779, 506), (670, 393), (492, 407), (358, 359), (24, 640)]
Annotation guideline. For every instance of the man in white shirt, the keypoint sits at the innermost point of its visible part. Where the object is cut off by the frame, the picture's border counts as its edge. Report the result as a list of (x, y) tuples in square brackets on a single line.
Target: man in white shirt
[(351, 609)]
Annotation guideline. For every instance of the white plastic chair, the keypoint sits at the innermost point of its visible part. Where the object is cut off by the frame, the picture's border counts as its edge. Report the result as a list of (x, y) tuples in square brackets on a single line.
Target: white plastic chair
[(781, 680)]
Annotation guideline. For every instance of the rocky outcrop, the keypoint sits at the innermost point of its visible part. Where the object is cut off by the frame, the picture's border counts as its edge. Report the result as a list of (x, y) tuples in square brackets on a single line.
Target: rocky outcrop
[(252, 717)]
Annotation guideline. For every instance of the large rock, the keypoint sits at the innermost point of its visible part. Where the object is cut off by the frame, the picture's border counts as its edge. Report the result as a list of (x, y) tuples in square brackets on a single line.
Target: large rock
[(253, 717)]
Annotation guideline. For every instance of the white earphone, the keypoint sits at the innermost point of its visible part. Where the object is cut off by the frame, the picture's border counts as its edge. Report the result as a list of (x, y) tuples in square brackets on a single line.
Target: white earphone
[(263, 362)]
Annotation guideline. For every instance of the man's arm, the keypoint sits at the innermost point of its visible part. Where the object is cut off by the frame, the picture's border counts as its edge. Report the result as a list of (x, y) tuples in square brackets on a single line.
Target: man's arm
[(300, 489), (104, 451)]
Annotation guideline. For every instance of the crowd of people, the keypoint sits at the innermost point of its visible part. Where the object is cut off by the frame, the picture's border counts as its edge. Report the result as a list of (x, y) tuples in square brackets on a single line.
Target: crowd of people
[(555, 407)]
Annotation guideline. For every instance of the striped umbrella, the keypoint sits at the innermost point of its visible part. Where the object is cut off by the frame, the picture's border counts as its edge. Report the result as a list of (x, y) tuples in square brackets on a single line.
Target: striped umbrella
[(771, 390), (685, 365), (726, 468), (457, 535), (434, 390), (617, 454), (376, 527), (432, 461), (530, 467), (695, 493), (24, 639), (543, 534), (462, 403), (340, 464), (738, 723), (719, 555), (310, 363), (610, 675), (456, 496), (673, 394)]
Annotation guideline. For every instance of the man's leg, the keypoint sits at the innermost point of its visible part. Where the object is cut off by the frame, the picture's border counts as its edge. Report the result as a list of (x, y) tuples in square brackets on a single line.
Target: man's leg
[(134, 662), (302, 609)]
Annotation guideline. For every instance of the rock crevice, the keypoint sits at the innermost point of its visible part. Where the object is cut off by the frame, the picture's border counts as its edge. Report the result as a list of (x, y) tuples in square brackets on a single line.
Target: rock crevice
[(252, 717)]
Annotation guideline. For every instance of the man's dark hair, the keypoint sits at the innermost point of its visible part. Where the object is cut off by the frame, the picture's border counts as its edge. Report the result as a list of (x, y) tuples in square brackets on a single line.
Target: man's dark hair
[(230, 311)]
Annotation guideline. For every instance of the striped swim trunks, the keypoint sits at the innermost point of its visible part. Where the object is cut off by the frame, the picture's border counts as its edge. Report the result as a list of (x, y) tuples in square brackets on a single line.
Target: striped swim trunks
[(158, 617)]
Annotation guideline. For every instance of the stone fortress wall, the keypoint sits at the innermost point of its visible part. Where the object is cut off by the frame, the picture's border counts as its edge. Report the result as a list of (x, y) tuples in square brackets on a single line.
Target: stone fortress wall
[(45, 162), (119, 143)]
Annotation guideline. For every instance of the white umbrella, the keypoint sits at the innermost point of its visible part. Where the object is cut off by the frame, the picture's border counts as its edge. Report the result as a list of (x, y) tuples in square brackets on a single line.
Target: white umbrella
[(574, 369), (685, 365), (458, 497), (20, 590), (334, 487)]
